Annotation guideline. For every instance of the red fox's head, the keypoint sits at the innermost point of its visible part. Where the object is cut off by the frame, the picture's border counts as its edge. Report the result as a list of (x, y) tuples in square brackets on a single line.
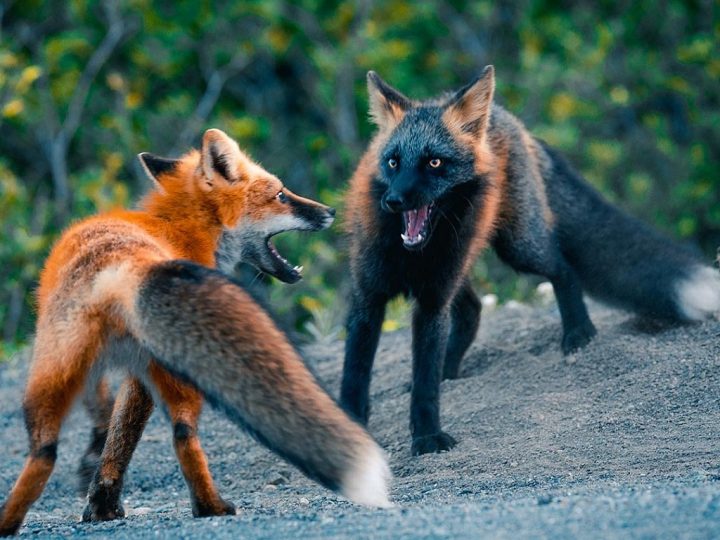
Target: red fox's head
[(250, 204), (427, 150)]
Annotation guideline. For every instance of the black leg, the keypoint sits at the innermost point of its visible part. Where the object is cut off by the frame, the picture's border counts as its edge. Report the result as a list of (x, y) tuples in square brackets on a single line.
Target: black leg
[(430, 335), (578, 329), (99, 404), (133, 407), (539, 253), (464, 326), (364, 324)]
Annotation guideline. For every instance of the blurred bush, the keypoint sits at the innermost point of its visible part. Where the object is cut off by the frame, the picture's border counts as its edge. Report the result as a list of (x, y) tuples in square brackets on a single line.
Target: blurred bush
[(627, 89)]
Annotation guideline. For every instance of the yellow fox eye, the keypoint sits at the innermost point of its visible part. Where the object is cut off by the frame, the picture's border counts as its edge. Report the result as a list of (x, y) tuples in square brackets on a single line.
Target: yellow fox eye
[(435, 163), (392, 163)]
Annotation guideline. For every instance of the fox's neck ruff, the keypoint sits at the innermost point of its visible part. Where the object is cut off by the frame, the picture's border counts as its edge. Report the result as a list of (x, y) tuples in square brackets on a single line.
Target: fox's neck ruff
[(192, 224)]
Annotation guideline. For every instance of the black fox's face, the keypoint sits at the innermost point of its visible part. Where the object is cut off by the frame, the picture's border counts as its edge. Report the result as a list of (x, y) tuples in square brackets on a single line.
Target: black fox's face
[(419, 164), (429, 148)]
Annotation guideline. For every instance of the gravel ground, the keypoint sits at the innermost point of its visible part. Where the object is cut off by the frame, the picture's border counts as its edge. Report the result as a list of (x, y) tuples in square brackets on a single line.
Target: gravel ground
[(619, 440)]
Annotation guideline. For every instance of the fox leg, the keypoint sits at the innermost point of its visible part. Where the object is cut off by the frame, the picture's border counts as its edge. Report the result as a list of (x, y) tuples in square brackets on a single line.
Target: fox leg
[(578, 329), (56, 378), (364, 324), (431, 325), (541, 255), (465, 321), (184, 406), (99, 404), (133, 407)]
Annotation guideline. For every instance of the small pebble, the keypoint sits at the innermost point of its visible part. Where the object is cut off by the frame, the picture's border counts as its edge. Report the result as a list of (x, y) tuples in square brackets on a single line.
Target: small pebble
[(544, 499)]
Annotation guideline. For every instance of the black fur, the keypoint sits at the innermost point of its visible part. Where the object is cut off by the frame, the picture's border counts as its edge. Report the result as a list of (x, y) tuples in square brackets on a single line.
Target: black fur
[(595, 236), (392, 96), (47, 451), (90, 460), (385, 269), (219, 163), (413, 183), (103, 500), (156, 164), (585, 243), (182, 432)]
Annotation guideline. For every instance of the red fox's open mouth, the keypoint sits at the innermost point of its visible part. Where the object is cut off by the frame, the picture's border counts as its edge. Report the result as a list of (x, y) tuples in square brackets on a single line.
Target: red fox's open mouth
[(281, 268), (416, 226)]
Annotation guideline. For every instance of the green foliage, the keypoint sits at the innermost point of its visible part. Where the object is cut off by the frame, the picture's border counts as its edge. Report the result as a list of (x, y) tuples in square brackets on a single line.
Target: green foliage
[(628, 90)]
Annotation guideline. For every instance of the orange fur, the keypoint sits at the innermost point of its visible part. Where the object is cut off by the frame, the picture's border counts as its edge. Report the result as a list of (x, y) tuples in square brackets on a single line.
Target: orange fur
[(182, 218)]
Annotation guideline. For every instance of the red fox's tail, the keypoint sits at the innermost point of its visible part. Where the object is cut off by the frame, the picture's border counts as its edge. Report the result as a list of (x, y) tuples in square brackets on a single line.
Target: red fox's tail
[(209, 332)]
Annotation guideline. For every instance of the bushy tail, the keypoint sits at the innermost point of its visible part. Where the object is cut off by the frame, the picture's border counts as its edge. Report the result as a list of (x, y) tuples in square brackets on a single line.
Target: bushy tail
[(623, 261), (209, 332)]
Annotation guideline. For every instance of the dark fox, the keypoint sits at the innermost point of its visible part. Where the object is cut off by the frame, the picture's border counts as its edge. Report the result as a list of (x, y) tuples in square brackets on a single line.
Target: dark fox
[(447, 177), (127, 289)]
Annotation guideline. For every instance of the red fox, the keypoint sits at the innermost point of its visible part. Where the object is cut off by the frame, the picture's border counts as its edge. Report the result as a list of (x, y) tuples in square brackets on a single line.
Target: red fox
[(445, 178), (132, 289)]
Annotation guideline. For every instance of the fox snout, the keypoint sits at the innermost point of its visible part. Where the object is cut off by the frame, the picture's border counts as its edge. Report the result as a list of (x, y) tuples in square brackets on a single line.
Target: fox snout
[(399, 200), (329, 217), (393, 202), (314, 215), (404, 192)]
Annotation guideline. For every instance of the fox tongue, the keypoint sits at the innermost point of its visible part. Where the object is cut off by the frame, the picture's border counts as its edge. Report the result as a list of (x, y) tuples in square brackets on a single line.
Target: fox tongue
[(415, 222)]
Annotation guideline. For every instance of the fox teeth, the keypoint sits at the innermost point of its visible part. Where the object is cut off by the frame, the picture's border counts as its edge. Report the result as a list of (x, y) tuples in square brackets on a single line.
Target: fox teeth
[(298, 269), (411, 240)]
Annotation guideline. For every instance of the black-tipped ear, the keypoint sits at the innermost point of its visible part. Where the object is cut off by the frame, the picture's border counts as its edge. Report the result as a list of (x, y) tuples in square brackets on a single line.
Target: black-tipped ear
[(387, 105), (154, 166), (470, 107)]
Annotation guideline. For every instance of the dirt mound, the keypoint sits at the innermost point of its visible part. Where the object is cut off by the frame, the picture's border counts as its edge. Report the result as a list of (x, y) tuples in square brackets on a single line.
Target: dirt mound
[(621, 438)]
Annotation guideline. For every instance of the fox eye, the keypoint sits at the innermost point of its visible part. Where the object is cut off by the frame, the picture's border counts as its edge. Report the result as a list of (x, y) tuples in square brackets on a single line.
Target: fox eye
[(392, 163), (435, 163), (281, 197)]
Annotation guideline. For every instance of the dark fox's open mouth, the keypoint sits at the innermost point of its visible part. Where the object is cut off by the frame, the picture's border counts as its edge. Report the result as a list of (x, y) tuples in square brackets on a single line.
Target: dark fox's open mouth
[(279, 266), (416, 226)]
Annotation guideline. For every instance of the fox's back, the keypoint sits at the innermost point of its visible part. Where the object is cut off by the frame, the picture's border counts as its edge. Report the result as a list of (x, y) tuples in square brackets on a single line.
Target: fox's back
[(93, 245)]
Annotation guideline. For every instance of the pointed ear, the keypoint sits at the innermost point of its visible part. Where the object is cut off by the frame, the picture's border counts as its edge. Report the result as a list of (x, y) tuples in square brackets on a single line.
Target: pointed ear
[(221, 155), (154, 166), (387, 105), (469, 109)]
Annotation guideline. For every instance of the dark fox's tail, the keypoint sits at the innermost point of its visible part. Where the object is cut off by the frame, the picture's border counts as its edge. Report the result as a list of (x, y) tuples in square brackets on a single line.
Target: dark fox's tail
[(210, 333), (624, 262)]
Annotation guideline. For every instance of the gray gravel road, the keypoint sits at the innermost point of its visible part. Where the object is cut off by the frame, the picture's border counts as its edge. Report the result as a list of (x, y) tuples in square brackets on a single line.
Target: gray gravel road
[(619, 440)]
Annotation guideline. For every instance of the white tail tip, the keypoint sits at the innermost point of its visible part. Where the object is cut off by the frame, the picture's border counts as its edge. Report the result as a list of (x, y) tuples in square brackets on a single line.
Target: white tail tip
[(367, 481), (699, 295)]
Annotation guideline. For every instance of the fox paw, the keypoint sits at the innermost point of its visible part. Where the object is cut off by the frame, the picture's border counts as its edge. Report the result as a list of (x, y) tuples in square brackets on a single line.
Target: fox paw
[(221, 507), (359, 411), (96, 512), (10, 530), (578, 337), (7, 528), (451, 372), (432, 444)]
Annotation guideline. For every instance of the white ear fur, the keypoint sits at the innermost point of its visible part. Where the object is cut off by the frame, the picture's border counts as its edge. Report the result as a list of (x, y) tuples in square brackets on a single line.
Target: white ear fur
[(221, 155)]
